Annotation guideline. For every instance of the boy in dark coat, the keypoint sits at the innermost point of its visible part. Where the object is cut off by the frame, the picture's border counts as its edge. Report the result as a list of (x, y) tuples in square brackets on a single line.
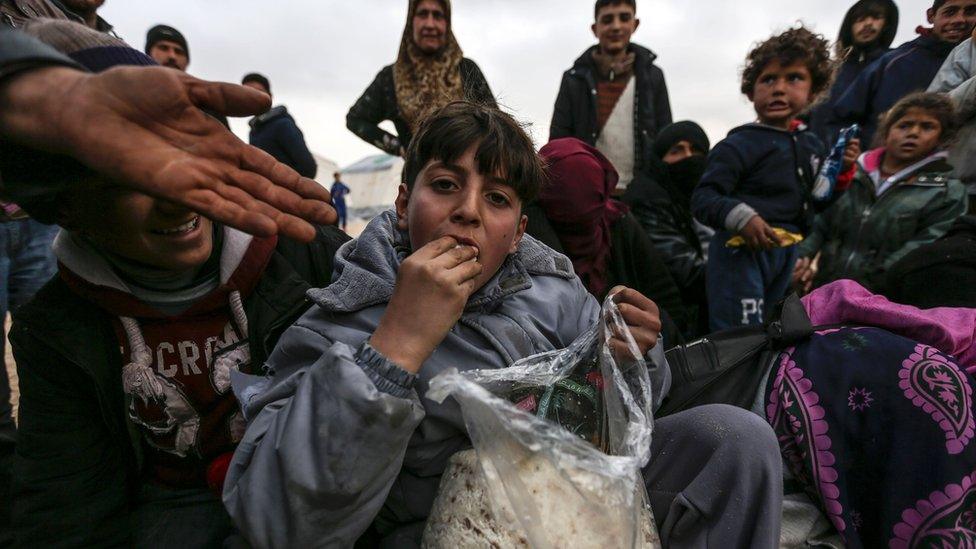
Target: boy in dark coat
[(758, 181), (614, 97), (908, 68), (341, 437), (125, 358), (865, 35), (276, 133)]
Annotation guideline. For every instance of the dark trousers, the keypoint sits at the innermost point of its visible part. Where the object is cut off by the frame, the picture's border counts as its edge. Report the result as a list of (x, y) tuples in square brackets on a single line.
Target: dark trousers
[(180, 519), (742, 284), (340, 207), (715, 479)]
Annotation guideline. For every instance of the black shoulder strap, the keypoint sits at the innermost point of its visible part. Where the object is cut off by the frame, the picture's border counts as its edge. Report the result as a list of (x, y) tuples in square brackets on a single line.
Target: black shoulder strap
[(728, 367)]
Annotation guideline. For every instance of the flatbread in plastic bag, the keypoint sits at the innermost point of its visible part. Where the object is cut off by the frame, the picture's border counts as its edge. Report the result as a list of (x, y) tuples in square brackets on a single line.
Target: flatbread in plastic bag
[(561, 438)]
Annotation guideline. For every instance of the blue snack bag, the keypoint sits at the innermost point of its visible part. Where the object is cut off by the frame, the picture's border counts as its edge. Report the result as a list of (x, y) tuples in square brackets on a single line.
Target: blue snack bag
[(823, 187)]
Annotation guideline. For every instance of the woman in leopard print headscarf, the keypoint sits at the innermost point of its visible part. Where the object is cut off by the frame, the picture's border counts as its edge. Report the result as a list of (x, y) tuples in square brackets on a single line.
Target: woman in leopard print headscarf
[(430, 71)]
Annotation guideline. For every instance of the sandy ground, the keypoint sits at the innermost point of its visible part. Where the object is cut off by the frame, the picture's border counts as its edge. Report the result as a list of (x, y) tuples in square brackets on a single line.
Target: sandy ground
[(11, 371), (356, 226)]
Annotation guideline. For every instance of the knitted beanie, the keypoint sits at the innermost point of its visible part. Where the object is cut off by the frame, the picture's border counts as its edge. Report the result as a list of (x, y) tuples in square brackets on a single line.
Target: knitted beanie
[(96, 51), (166, 32), (259, 78)]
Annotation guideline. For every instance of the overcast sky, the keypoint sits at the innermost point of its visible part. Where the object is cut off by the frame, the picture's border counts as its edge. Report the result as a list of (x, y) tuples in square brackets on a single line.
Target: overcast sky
[(321, 54)]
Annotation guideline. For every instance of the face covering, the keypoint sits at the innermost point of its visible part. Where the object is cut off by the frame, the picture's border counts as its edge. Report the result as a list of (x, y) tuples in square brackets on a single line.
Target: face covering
[(685, 175)]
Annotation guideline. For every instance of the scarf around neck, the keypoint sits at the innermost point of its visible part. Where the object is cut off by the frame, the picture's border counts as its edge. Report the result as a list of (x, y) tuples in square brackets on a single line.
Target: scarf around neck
[(610, 69)]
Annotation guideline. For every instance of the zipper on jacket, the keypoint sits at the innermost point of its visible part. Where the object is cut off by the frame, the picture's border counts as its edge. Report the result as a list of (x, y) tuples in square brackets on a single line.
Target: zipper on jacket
[(866, 216)]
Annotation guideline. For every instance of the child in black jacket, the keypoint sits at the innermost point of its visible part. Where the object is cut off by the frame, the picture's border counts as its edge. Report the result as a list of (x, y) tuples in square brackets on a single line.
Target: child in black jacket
[(758, 180)]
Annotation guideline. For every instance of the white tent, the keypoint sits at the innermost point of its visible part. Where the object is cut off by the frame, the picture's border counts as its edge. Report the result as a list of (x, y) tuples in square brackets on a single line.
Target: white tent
[(372, 183), (326, 169)]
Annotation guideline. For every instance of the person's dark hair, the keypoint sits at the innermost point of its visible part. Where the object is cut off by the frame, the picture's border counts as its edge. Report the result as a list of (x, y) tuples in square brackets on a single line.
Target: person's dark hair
[(798, 44), (884, 9), (503, 147), (937, 4), (874, 8), (600, 4), (259, 78), (938, 105)]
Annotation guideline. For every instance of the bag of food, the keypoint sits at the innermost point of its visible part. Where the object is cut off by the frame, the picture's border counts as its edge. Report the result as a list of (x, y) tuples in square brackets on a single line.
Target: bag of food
[(561, 438)]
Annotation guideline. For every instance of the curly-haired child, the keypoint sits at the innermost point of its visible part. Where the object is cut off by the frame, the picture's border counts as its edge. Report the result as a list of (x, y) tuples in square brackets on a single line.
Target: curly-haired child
[(758, 180)]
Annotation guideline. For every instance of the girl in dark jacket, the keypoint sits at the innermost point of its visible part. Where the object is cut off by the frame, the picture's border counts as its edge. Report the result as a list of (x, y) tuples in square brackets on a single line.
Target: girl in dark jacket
[(606, 244), (430, 72), (902, 197)]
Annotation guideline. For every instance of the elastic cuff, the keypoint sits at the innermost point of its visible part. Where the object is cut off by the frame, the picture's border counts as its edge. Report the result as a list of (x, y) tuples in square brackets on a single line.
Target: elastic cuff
[(739, 217), (385, 374)]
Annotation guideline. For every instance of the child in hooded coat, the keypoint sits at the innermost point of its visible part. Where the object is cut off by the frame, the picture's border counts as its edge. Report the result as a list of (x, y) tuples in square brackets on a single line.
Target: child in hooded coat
[(340, 439), (853, 55)]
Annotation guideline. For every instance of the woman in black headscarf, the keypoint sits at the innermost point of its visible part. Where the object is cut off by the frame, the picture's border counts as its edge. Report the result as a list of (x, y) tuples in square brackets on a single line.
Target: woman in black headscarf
[(659, 199)]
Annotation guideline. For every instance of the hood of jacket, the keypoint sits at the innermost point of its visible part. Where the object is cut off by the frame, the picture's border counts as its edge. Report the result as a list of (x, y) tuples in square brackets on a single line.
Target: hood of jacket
[(936, 162), (927, 40), (845, 39), (262, 119), (365, 269)]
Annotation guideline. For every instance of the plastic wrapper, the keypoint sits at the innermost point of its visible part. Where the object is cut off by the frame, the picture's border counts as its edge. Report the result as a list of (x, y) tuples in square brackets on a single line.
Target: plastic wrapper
[(823, 187), (561, 438)]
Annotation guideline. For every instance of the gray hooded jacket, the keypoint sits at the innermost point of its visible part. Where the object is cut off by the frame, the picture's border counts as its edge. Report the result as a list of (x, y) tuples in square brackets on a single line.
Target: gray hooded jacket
[(957, 77), (338, 436)]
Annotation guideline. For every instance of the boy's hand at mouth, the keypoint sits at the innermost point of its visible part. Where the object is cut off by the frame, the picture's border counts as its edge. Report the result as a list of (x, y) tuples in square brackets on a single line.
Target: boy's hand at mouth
[(643, 318), (432, 287)]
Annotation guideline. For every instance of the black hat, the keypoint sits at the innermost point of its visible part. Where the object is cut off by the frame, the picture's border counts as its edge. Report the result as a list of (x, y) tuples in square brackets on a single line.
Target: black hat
[(681, 131), (259, 78), (165, 32)]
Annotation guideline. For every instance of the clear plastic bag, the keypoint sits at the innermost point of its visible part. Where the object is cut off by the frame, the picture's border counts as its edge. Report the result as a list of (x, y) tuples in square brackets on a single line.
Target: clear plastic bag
[(561, 438)]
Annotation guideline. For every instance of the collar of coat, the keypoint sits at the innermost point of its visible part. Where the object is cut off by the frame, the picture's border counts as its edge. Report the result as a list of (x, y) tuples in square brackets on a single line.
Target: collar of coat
[(275, 112), (366, 268), (871, 161), (584, 64)]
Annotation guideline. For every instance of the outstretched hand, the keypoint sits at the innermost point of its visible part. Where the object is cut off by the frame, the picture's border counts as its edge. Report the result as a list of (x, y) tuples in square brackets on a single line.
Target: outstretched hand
[(143, 128)]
